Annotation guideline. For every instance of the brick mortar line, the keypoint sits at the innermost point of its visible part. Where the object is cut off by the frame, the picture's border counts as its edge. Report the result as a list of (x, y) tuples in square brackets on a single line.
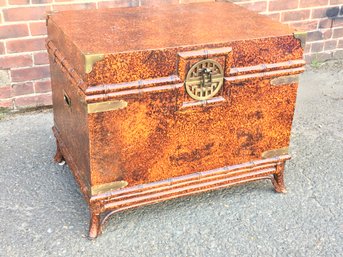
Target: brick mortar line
[(318, 20), (300, 9), (32, 81), (317, 41), (43, 36), (263, 12), (323, 52), (13, 39), (15, 107), (286, 22), (6, 23), (21, 22), (8, 6), (315, 19), (29, 29), (20, 38), (311, 12), (323, 41), (32, 59), (33, 94), (22, 53), (34, 85), (34, 88), (292, 23), (26, 95), (2, 100), (24, 82), (36, 66), (341, 26), (251, 2)]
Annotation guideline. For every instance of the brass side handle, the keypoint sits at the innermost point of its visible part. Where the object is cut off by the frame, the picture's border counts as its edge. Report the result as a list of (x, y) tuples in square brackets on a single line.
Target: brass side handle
[(66, 99)]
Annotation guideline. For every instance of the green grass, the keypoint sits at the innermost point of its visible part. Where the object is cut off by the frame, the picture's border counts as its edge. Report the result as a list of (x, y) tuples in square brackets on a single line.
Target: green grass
[(315, 63)]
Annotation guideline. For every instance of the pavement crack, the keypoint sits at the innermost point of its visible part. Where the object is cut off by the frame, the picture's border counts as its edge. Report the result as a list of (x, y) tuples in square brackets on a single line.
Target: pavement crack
[(334, 98), (314, 197)]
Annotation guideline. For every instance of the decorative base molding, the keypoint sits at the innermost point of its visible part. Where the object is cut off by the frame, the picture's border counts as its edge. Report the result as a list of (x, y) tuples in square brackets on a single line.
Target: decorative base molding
[(104, 205)]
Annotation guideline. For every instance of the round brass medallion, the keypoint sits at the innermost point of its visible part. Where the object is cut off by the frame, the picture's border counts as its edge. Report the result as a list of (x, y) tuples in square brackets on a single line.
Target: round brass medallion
[(204, 79)]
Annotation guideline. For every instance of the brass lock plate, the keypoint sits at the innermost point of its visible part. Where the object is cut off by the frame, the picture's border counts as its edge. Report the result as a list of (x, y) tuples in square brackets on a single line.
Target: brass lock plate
[(204, 79)]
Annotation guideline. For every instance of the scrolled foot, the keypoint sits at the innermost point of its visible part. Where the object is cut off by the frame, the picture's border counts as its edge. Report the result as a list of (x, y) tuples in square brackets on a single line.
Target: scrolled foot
[(278, 179), (95, 226), (279, 186), (58, 156)]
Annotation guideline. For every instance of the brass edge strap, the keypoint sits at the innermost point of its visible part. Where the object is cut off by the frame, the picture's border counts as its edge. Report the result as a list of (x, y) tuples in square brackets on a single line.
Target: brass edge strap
[(58, 57), (106, 106), (103, 188), (213, 100)]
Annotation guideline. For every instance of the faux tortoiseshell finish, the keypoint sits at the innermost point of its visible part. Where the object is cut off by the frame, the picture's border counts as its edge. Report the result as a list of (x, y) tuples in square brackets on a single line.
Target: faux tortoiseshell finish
[(164, 144)]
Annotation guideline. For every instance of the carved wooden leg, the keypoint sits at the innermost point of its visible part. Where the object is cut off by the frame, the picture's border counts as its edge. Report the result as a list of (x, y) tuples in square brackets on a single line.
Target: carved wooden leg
[(278, 178), (95, 225), (58, 156)]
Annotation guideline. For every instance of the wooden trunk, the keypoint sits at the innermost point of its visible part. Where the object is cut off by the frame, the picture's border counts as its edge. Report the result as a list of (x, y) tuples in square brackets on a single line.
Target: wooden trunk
[(153, 103)]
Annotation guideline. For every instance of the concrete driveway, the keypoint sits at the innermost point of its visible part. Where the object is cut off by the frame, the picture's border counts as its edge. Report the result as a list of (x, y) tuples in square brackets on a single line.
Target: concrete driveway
[(44, 214)]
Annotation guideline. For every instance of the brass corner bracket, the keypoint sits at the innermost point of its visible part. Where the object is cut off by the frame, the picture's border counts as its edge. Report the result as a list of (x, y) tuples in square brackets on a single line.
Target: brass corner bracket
[(301, 35), (275, 152), (48, 14), (90, 59)]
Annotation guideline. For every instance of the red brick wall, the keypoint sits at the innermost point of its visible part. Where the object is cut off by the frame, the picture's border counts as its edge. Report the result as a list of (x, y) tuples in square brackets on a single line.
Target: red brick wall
[(24, 71), (322, 19)]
